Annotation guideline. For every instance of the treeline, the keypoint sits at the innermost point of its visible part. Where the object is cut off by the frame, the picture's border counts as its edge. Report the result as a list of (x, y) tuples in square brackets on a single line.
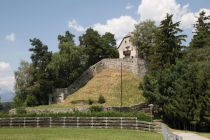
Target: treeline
[(178, 77), (47, 70)]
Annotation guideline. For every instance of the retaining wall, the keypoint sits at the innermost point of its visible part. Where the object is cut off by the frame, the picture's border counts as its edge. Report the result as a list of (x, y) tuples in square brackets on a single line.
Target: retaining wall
[(135, 65)]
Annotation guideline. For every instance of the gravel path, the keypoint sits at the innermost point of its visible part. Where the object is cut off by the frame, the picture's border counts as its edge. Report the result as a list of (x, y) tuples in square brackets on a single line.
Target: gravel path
[(190, 136)]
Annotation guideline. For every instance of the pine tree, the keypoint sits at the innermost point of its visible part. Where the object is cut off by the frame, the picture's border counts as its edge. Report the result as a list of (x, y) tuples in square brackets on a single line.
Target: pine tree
[(42, 81), (168, 44), (201, 36)]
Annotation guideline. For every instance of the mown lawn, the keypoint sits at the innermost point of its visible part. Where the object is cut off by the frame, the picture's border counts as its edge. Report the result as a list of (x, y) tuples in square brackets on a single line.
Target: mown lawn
[(75, 134)]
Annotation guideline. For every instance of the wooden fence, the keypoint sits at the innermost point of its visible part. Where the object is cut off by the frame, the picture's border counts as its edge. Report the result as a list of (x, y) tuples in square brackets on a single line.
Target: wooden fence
[(83, 122)]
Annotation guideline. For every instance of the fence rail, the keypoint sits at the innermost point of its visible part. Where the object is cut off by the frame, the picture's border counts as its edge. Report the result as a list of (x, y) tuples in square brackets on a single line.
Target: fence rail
[(91, 122)]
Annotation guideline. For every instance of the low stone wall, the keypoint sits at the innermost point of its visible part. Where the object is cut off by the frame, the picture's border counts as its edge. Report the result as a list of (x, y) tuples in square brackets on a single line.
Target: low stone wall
[(138, 107)]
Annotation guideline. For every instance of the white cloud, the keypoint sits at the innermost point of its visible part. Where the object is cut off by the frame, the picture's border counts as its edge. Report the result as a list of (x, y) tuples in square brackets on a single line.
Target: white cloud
[(6, 75), (188, 20), (4, 66), (11, 37), (157, 10), (74, 25), (128, 6), (118, 26)]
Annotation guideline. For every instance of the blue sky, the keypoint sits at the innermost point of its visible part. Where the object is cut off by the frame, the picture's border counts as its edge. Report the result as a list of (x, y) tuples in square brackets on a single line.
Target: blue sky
[(21, 20)]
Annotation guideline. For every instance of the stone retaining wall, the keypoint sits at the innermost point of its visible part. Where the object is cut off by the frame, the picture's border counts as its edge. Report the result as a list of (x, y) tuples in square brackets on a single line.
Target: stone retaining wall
[(135, 65)]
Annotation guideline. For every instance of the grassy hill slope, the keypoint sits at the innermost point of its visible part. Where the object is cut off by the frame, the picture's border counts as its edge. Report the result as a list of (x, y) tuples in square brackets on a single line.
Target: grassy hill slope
[(107, 83)]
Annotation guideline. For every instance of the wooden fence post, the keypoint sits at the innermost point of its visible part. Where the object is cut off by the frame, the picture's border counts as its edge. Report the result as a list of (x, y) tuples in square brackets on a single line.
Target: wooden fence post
[(136, 124), (121, 123), (24, 122), (91, 122), (64, 122), (10, 123), (77, 122), (50, 122), (106, 122), (37, 122)]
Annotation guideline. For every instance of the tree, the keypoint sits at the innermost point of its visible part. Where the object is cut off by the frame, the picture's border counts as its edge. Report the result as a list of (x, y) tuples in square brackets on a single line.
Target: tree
[(109, 46), (67, 64), (201, 37), (1, 106), (96, 47), (168, 44), (42, 79), (179, 86), (182, 93), (144, 38), (23, 78), (68, 37)]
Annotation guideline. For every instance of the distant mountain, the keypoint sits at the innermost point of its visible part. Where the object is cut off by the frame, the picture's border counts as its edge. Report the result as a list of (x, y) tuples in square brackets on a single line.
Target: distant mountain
[(6, 94)]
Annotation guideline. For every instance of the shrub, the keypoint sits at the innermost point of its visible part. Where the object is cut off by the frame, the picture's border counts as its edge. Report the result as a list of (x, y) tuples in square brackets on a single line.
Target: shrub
[(96, 108), (20, 110), (90, 101), (101, 99)]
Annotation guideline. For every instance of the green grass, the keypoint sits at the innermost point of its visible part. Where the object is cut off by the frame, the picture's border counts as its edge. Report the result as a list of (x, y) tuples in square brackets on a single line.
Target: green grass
[(107, 83), (75, 134)]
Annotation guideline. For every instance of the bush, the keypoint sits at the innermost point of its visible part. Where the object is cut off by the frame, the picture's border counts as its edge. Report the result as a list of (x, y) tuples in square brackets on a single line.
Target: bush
[(90, 101), (101, 99), (31, 101), (96, 108), (20, 110), (140, 115)]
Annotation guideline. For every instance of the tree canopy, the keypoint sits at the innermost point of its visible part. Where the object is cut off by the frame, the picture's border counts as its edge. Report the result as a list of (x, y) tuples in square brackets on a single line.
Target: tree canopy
[(180, 83), (47, 71)]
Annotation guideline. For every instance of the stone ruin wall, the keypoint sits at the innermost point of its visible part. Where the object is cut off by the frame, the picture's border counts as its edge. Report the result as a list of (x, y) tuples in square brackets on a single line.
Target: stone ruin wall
[(135, 65)]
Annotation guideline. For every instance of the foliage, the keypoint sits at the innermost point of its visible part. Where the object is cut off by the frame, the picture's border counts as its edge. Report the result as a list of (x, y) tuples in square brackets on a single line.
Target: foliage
[(168, 44), (180, 86), (96, 108), (101, 99), (144, 38), (20, 111), (201, 37), (23, 77), (1, 106), (97, 47), (67, 64), (68, 37), (140, 115), (90, 101), (47, 71), (42, 80), (33, 81)]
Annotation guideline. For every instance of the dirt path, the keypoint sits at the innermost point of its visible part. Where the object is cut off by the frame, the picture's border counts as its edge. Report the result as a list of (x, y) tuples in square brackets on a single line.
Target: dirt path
[(190, 136)]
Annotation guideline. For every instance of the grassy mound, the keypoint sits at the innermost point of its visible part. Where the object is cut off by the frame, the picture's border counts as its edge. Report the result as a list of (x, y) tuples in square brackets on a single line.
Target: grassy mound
[(108, 84)]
